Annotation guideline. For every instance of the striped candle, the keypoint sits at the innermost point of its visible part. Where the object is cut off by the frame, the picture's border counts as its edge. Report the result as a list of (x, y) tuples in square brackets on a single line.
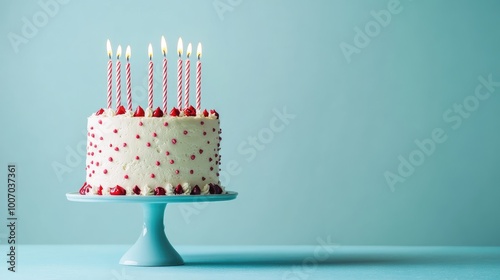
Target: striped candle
[(188, 76), (118, 77), (129, 86), (110, 73), (150, 77), (179, 75), (198, 78), (164, 50)]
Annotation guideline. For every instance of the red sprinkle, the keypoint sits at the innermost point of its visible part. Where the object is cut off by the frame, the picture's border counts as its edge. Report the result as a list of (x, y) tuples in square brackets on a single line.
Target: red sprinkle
[(137, 136), (140, 123), (204, 133), (110, 159), (117, 149), (105, 171), (154, 134), (115, 130), (157, 163), (176, 171), (99, 121), (185, 132), (171, 161), (126, 176), (174, 141), (201, 151), (193, 157), (124, 144), (137, 157), (152, 175), (148, 144), (165, 123), (168, 153), (191, 171), (100, 138), (96, 163), (203, 178), (202, 122)]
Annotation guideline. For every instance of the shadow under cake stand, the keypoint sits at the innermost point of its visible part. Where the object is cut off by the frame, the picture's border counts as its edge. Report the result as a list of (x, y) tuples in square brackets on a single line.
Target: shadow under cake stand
[(152, 248)]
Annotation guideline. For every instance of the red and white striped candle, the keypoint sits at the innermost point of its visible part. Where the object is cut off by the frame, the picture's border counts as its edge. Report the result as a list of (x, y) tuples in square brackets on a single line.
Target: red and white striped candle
[(179, 74), (187, 76), (198, 78), (129, 86), (110, 73), (118, 77), (150, 77), (164, 50)]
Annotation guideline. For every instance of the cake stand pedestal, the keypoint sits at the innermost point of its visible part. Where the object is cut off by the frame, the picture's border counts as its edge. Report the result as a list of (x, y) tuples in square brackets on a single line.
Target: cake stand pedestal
[(152, 248)]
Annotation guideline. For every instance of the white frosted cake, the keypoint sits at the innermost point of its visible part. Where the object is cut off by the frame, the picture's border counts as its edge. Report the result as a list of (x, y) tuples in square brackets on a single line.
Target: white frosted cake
[(147, 153)]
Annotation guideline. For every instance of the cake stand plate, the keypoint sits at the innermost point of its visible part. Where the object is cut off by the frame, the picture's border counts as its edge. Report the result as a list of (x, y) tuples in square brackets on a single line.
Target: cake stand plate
[(152, 248)]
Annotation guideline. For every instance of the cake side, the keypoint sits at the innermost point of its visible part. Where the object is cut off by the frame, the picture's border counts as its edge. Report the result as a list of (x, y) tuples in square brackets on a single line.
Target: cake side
[(167, 155)]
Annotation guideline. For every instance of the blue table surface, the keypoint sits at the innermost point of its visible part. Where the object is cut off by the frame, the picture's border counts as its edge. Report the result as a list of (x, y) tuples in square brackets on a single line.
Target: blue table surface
[(259, 262)]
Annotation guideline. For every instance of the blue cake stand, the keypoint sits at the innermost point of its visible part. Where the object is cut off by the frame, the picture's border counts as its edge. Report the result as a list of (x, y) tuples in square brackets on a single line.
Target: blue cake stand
[(152, 248)]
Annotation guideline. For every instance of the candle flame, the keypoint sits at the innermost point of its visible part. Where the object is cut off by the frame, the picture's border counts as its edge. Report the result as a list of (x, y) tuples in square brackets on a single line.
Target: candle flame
[(150, 51), (163, 46), (119, 52), (128, 52), (198, 51), (179, 46), (189, 50), (108, 47)]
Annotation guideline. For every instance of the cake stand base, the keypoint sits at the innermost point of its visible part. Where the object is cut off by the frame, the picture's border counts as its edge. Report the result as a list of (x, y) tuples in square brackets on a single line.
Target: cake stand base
[(152, 248)]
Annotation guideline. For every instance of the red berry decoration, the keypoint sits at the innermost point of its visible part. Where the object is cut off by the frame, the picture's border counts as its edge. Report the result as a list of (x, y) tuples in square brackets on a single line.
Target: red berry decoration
[(205, 113), (117, 191), (99, 190), (158, 113), (218, 189), (139, 112), (190, 111), (196, 190), (215, 113), (160, 191), (84, 189), (175, 112), (211, 188), (121, 110), (136, 190), (99, 112), (178, 189), (214, 189)]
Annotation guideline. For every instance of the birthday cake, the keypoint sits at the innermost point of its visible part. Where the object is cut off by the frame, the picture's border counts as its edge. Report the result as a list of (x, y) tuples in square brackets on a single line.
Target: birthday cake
[(147, 152)]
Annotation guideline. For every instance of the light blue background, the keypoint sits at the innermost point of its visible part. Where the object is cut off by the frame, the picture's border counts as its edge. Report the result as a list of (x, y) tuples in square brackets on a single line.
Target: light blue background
[(323, 174)]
